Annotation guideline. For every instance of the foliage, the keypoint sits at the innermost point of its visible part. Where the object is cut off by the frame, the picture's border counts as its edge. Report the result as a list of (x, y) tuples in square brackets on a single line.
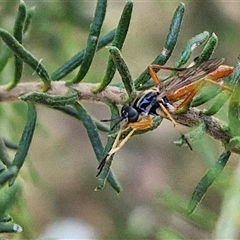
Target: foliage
[(67, 95)]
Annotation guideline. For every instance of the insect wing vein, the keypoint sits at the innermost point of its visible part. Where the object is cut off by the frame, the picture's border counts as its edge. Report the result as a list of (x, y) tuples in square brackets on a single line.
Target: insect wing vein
[(189, 75)]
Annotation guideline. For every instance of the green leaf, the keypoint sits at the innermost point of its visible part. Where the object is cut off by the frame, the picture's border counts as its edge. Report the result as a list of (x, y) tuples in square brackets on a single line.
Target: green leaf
[(208, 49), (51, 100), (4, 156), (26, 57), (8, 174), (95, 140), (118, 41), (92, 41), (207, 181), (123, 71), (219, 101), (170, 43), (8, 196), (18, 34), (10, 228), (26, 138), (166, 234), (192, 44), (234, 102), (102, 176), (203, 218), (69, 110), (77, 59)]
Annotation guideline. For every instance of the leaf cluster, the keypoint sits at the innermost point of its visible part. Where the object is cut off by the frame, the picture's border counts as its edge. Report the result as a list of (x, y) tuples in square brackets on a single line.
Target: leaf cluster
[(69, 102)]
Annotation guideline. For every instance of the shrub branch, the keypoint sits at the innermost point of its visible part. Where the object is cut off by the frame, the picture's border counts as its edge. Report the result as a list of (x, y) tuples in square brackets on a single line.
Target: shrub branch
[(214, 126)]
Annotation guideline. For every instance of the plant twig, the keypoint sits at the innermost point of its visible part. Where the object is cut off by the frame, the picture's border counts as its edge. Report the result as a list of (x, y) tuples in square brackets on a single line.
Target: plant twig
[(113, 94), (116, 95), (214, 127)]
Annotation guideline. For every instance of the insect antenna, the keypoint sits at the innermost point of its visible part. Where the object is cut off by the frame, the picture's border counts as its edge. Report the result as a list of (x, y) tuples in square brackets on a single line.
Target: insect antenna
[(101, 165), (117, 119)]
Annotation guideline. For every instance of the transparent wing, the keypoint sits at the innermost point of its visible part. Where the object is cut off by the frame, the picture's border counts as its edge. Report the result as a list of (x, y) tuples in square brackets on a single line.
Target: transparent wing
[(189, 75)]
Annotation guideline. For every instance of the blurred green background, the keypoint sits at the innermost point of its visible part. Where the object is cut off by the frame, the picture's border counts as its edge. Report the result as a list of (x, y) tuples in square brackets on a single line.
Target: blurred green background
[(149, 164)]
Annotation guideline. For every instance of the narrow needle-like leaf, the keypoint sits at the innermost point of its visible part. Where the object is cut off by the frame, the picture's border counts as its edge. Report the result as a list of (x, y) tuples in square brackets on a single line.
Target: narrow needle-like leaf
[(77, 59), (118, 42), (170, 43), (69, 110), (192, 44), (234, 103), (95, 140), (4, 157), (123, 71), (92, 41), (26, 138), (51, 100), (18, 34), (207, 181), (208, 49), (26, 57), (101, 179)]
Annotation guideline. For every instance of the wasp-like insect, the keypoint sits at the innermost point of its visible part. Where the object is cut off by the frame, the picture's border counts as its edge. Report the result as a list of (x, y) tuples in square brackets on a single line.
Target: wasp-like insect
[(168, 96)]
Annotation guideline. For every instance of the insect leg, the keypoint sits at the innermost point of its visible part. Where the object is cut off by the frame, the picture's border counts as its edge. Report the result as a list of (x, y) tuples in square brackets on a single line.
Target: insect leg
[(116, 142), (154, 75), (221, 72), (217, 84), (117, 145), (121, 143), (168, 115), (190, 96), (155, 66), (144, 123), (195, 90)]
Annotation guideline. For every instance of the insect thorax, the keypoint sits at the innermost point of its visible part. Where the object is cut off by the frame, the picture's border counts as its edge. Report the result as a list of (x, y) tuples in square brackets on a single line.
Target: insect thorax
[(146, 102)]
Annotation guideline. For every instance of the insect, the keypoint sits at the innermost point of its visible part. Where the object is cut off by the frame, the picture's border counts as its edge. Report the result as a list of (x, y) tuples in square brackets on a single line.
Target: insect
[(166, 97)]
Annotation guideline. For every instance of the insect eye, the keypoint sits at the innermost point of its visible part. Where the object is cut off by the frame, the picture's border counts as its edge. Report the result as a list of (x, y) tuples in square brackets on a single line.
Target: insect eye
[(130, 113)]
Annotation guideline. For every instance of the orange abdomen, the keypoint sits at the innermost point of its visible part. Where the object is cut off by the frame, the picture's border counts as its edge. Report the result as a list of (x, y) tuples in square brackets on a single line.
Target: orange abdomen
[(221, 72)]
